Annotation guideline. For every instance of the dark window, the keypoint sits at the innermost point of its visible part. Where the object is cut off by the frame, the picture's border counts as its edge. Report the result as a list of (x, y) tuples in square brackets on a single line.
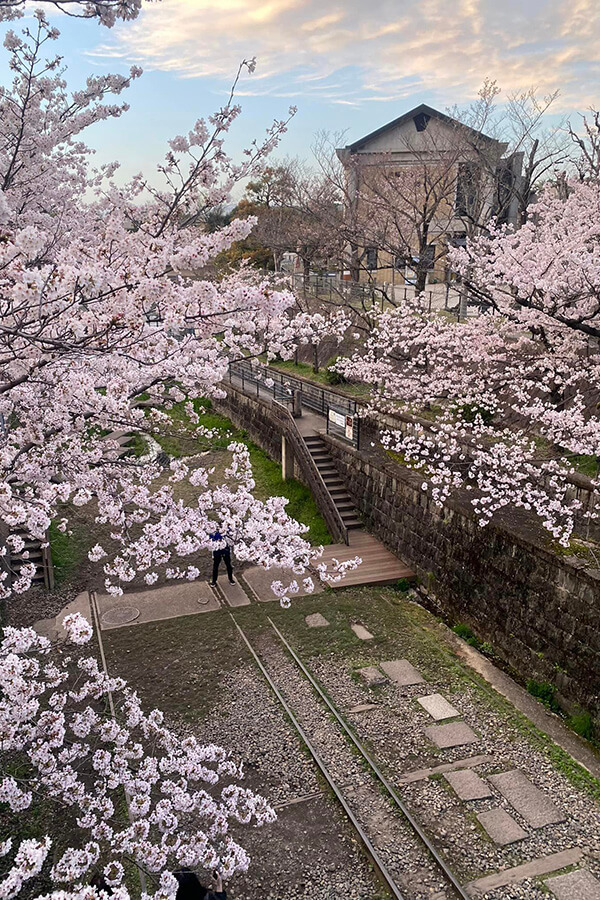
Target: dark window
[(400, 262), (371, 257), (429, 256), (421, 121), (466, 188)]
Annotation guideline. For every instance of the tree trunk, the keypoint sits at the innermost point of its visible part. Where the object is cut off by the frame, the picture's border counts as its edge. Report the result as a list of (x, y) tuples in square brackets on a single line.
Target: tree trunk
[(315, 350)]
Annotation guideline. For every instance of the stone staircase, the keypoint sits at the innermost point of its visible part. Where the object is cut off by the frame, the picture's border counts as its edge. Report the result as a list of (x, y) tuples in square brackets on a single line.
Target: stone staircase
[(334, 484), (36, 554)]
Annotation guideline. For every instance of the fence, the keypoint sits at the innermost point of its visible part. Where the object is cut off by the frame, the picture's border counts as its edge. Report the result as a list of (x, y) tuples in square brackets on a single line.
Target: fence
[(377, 295), (341, 413)]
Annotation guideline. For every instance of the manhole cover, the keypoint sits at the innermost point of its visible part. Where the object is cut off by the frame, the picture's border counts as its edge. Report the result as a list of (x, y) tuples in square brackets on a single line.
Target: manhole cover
[(120, 615)]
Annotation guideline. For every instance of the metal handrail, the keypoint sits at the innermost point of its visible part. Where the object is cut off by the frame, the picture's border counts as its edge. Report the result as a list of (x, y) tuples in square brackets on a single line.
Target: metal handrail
[(324, 500)]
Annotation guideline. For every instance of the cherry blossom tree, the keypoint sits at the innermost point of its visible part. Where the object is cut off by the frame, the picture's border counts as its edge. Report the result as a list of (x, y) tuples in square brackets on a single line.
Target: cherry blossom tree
[(517, 389), (77, 742), (107, 12), (106, 301)]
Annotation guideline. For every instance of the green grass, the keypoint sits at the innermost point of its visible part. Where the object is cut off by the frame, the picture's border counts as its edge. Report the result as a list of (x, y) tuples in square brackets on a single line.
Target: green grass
[(544, 692), (68, 552), (267, 473), (323, 377)]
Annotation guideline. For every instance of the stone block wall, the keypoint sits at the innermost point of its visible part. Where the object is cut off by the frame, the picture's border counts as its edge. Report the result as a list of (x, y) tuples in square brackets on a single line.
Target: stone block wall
[(539, 610)]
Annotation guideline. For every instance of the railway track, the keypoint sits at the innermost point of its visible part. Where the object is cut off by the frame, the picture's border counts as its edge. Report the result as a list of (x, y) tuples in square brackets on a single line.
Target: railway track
[(405, 859)]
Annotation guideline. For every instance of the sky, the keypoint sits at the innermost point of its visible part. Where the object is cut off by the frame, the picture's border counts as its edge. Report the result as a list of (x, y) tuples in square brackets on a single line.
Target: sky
[(347, 66)]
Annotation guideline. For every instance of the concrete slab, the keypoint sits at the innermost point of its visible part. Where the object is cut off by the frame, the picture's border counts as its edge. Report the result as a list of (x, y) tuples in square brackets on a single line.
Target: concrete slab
[(402, 672), (501, 827), (452, 735), (52, 628), (168, 602), (536, 807), (438, 707), (422, 774), (532, 869), (260, 580), (372, 675), (234, 594), (316, 620), (578, 885), (468, 785), (361, 632)]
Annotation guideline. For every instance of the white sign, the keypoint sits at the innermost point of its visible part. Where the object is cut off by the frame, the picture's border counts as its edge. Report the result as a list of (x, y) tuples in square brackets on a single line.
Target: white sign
[(349, 427), (337, 418)]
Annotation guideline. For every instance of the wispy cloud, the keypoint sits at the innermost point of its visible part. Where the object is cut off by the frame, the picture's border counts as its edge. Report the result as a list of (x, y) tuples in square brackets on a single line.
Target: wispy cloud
[(393, 47)]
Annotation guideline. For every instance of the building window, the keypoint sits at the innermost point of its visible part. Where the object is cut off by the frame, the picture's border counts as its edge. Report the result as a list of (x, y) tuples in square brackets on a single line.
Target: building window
[(371, 258), (429, 257), (400, 263), (421, 121), (466, 188)]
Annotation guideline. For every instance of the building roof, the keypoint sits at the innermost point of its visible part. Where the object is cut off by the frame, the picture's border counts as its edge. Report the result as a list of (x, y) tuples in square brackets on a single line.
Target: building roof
[(418, 110)]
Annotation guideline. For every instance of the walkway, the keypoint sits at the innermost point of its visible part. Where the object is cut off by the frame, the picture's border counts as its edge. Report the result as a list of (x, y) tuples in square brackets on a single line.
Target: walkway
[(379, 566)]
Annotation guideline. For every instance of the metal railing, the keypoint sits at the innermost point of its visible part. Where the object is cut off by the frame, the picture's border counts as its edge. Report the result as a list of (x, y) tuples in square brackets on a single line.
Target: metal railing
[(311, 473), (341, 413)]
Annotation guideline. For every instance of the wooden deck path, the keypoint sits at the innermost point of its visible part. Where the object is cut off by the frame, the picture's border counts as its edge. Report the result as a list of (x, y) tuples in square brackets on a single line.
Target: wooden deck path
[(378, 566)]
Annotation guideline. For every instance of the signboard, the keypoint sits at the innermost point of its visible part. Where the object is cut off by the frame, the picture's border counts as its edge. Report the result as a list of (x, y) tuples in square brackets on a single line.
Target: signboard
[(349, 427), (337, 418)]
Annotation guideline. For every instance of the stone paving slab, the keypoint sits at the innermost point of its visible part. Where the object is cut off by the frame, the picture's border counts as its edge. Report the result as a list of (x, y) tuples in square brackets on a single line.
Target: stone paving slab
[(402, 672), (316, 620), (52, 628), (167, 602), (532, 869), (578, 885), (422, 774), (234, 594), (372, 675), (361, 632), (452, 735), (501, 827), (529, 801), (438, 707), (468, 785), (260, 581)]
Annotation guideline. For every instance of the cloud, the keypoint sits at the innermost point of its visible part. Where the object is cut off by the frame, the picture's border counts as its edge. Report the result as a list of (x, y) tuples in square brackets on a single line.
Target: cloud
[(382, 50)]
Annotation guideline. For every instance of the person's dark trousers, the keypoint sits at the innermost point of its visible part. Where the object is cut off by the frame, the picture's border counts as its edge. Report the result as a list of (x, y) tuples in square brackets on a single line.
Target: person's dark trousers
[(224, 555)]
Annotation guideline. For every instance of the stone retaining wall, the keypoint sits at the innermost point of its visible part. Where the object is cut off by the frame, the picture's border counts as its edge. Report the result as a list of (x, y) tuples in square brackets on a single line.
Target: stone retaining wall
[(539, 610)]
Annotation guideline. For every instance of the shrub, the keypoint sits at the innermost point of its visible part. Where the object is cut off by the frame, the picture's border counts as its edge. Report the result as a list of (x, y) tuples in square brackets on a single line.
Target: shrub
[(544, 692), (470, 411), (464, 632), (333, 377), (403, 585), (583, 724)]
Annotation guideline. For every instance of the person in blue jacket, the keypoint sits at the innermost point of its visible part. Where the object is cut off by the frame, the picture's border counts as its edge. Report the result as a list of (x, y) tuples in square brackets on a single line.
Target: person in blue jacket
[(222, 552)]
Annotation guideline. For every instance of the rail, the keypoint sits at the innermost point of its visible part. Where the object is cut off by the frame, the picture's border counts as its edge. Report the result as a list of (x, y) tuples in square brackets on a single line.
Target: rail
[(309, 469), (374, 856), (371, 765)]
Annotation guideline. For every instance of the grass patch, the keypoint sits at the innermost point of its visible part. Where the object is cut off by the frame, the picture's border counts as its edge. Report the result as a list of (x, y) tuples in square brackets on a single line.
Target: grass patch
[(68, 551), (582, 724), (323, 377), (267, 473)]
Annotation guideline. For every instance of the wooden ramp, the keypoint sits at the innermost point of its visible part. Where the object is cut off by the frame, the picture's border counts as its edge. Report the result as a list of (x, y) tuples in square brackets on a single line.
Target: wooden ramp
[(379, 566)]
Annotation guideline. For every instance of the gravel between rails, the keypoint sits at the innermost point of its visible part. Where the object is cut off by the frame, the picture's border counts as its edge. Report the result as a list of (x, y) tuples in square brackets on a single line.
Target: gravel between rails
[(310, 851), (394, 732), (415, 872)]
